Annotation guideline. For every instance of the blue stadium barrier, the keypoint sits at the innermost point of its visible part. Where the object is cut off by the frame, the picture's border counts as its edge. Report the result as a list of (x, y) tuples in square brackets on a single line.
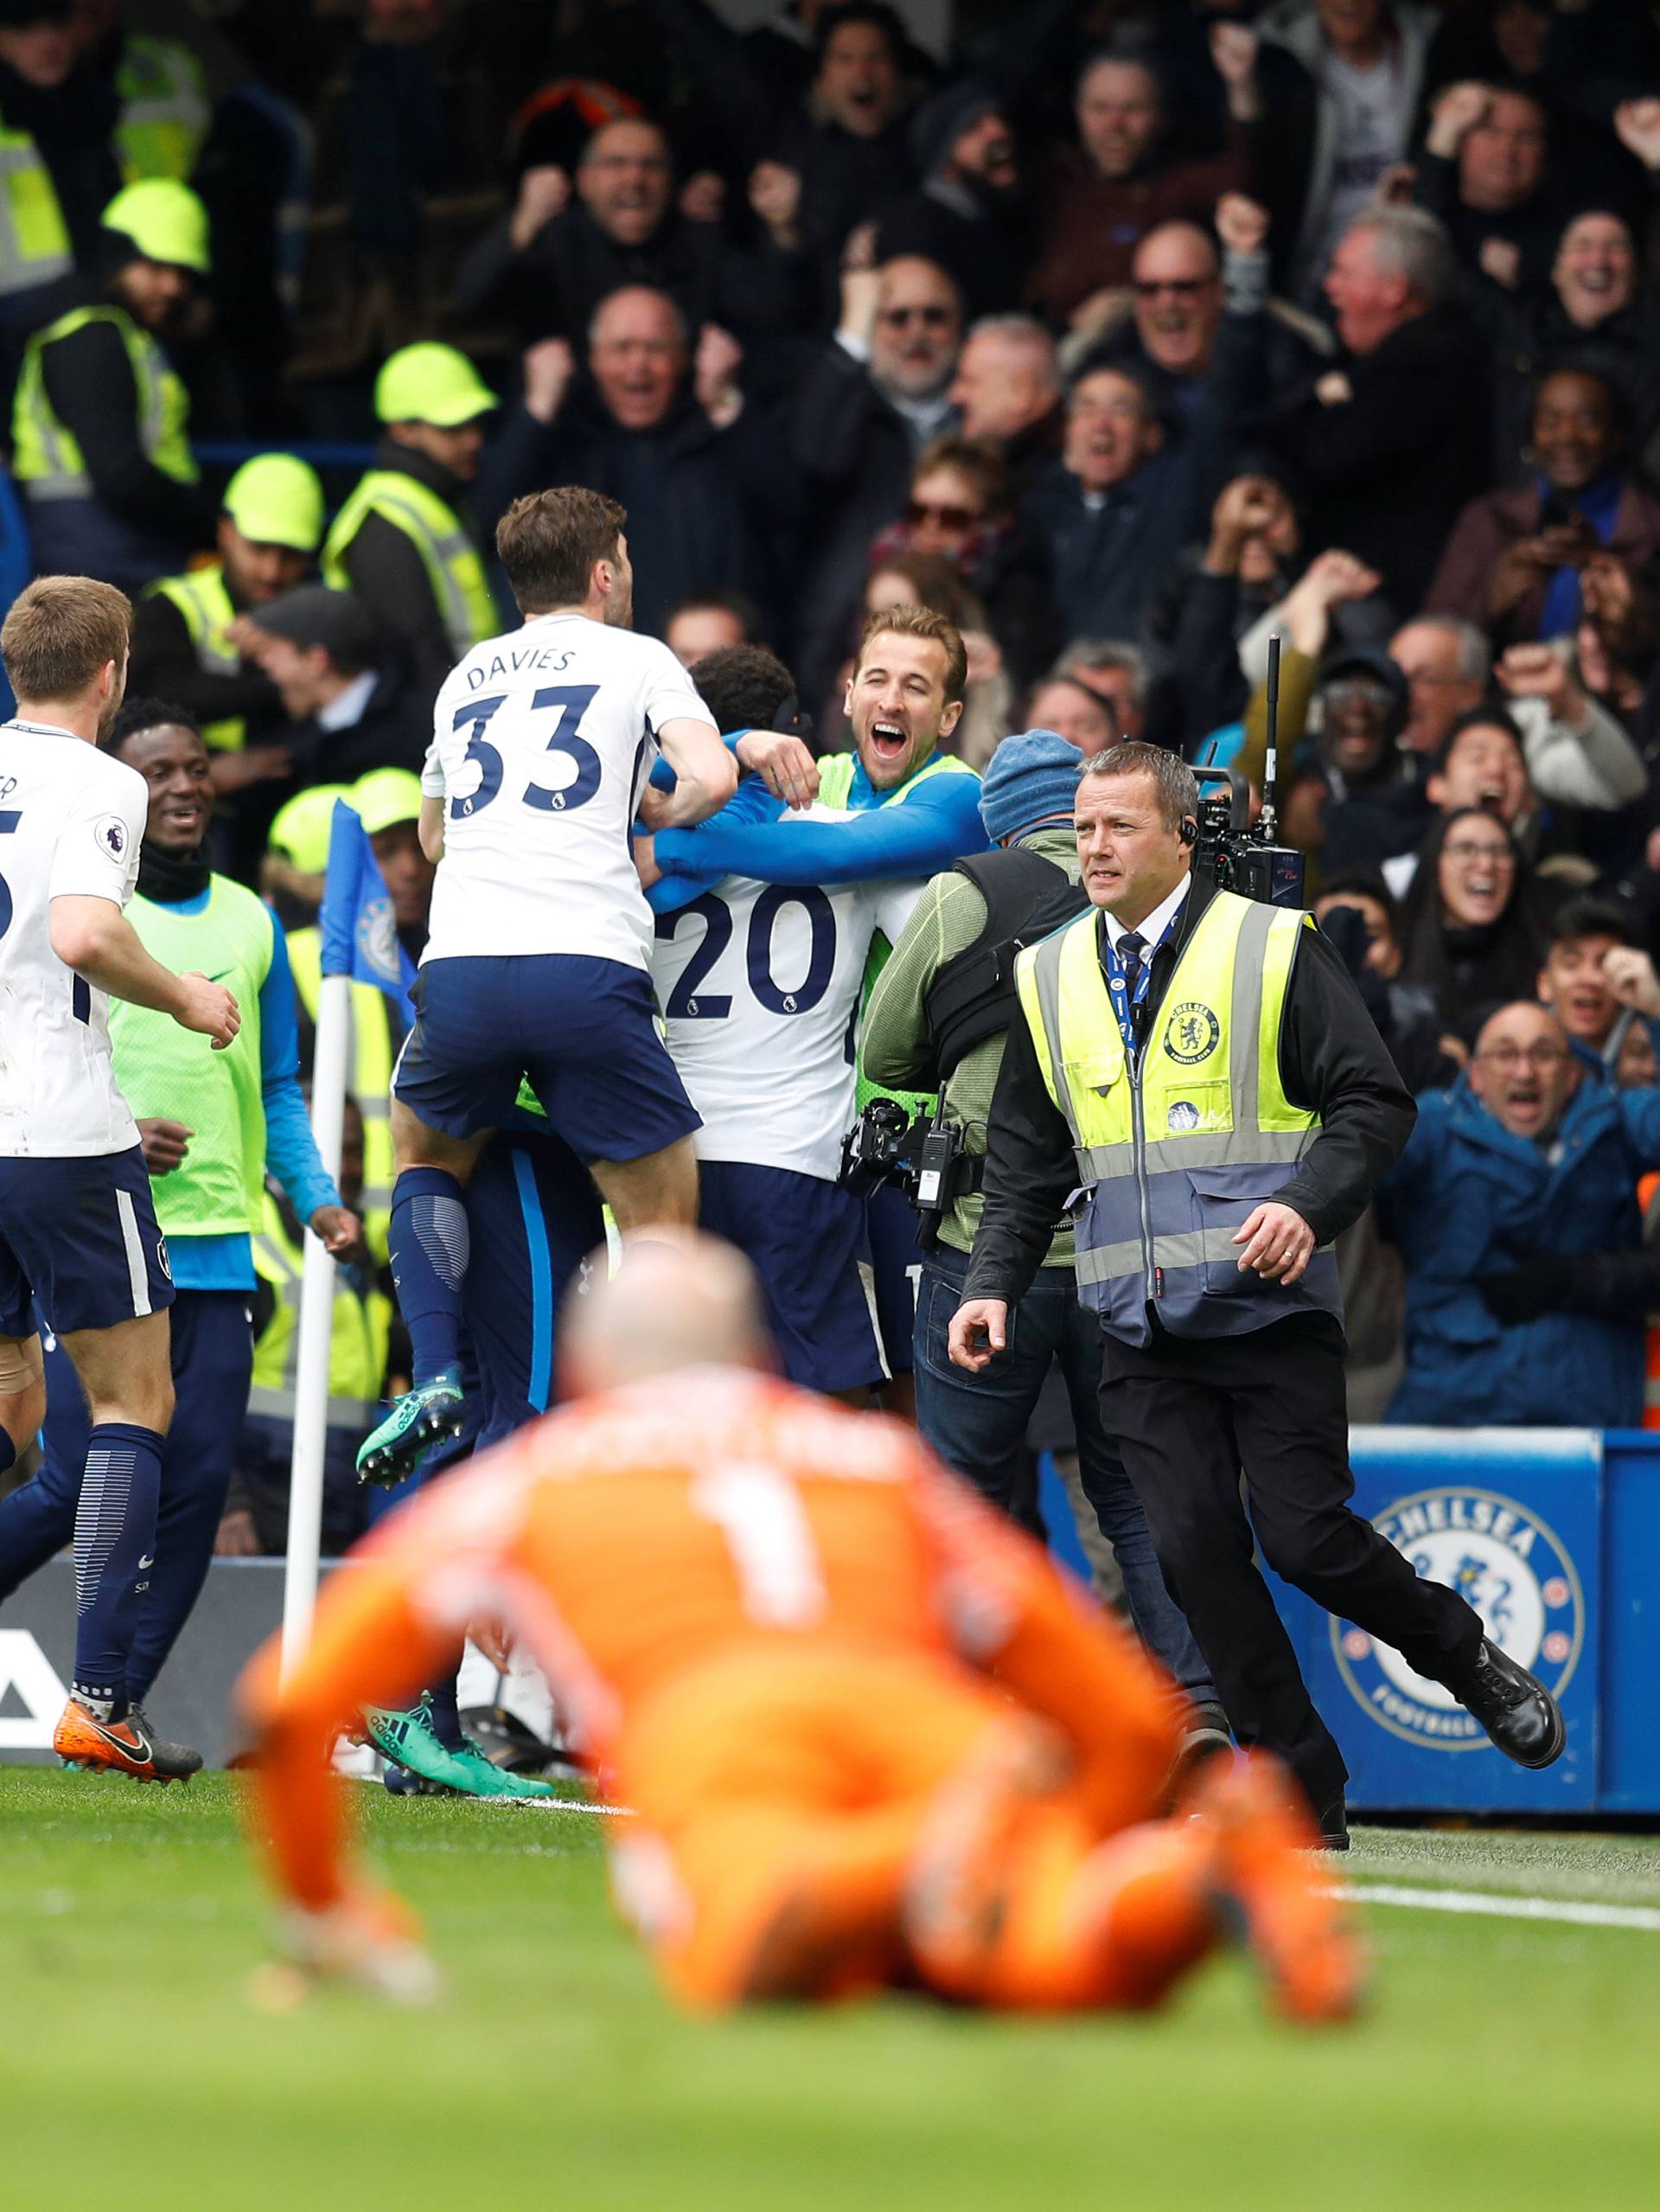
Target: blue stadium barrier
[(1554, 1535)]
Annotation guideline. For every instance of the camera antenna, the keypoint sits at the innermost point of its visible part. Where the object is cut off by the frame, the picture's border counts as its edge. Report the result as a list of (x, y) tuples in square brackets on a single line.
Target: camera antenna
[(1267, 825)]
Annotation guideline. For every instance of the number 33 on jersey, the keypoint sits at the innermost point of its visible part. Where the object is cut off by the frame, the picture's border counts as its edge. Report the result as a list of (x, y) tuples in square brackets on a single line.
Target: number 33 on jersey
[(542, 743)]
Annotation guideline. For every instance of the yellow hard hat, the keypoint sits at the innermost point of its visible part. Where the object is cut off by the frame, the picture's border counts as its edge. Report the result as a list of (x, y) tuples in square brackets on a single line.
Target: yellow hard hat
[(164, 220), (430, 383), (276, 499), (301, 828), (384, 796)]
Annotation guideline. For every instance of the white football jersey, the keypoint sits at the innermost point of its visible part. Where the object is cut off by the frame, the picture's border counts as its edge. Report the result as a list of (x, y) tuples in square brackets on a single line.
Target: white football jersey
[(759, 985), (72, 820), (542, 743)]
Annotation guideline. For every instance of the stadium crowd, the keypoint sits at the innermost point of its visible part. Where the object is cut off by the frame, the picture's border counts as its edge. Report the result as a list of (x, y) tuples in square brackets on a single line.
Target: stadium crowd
[(1115, 339)]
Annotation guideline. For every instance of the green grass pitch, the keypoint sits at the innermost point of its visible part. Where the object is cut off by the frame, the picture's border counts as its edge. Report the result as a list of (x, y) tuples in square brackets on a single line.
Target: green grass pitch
[(1504, 2064)]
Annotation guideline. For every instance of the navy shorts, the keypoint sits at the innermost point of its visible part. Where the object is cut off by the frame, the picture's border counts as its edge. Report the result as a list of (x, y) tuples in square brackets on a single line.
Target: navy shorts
[(80, 1238), (534, 1218), (896, 1259), (582, 1030), (801, 1235)]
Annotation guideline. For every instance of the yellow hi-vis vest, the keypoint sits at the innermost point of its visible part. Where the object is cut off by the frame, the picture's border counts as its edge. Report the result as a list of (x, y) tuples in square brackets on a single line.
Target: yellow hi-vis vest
[(1176, 1147), (164, 109), (454, 570), (358, 1341), (46, 456), (201, 597), (371, 1079), (34, 246)]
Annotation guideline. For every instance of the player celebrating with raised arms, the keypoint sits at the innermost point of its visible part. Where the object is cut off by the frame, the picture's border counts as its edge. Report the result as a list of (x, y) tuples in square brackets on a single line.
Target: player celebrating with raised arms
[(536, 965), (77, 1232)]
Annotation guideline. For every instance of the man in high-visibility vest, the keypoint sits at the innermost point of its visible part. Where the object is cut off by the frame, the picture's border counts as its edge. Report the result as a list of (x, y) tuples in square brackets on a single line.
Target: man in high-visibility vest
[(404, 539), (388, 801), (164, 109), (209, 1129), (100, 420), (184, 642), (1199, 1070)]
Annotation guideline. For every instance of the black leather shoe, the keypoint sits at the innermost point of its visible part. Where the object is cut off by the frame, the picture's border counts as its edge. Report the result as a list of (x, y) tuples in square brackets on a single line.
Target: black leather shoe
[(1514, 1706), (1334, 1827)]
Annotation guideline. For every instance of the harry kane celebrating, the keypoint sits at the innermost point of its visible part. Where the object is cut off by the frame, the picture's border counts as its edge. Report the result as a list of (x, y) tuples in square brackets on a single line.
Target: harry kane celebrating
[(536, 968)]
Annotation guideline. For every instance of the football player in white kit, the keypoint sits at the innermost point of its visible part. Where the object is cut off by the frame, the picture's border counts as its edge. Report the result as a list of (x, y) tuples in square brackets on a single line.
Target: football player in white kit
[(759, 984), (536, 965), (77, 1233)]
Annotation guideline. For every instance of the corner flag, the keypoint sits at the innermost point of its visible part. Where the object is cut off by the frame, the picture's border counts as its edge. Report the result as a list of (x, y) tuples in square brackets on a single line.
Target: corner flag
[(360, 936)]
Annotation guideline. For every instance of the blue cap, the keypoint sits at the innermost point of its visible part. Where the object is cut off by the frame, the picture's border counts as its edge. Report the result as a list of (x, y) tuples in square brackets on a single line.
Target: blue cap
[(1029, 778)]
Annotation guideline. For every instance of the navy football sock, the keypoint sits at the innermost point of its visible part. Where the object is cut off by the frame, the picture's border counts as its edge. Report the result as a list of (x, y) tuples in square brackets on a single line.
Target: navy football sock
[(115, 1537), (430, 1251), (445, 1711)]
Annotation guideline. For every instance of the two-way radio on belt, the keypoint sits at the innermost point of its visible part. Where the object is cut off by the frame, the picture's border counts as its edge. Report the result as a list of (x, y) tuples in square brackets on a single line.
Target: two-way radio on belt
[(1235, 852)]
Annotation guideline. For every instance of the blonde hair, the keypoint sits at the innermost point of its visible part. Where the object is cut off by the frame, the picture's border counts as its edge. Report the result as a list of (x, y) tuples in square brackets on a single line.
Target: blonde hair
[(61, 631)]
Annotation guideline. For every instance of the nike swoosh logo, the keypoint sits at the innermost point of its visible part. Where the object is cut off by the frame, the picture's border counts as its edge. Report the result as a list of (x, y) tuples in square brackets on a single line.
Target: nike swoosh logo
[(221, 974), (140, 1744), (150, 1562)]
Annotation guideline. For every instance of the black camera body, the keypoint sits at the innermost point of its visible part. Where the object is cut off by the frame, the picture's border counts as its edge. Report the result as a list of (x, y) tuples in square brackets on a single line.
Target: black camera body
[(1236, 856), (928, 1160)]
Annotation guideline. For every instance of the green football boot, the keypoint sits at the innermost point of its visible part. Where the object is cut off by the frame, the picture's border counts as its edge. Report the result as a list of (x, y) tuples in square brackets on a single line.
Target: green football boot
[(429, 1414), (486, 1779), (409, 1741)]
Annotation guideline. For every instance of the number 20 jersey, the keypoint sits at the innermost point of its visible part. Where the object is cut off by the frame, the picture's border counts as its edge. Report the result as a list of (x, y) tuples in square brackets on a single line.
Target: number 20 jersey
[(759, 984), (543, 741)]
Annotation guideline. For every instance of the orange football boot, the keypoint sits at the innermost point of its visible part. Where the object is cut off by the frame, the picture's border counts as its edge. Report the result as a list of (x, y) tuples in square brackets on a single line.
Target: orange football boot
[(129, 1747), (1303, 1939)]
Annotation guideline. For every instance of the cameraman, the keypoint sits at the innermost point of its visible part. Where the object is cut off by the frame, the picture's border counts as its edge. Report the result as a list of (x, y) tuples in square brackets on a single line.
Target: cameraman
[(1215, 1175), (938, 1019)]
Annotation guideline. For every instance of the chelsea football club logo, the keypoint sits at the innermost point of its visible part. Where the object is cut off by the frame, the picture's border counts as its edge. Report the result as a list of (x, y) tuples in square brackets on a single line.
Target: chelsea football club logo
[(1190, 1035), (377, 938), (1503, 1560)]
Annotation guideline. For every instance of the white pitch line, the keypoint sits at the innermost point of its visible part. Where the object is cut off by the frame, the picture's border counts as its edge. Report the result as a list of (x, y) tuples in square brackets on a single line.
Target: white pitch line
[(1645, 1918)]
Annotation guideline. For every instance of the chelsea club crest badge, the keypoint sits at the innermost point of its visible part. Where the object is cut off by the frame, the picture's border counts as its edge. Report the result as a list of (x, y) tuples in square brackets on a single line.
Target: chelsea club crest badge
[(1190, 1035), (1516, 1573)]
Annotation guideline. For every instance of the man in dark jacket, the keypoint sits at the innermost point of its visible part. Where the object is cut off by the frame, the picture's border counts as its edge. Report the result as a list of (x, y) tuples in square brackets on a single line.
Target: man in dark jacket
[(708, 487), (1114, 507), (968, 213), (1532, 1158), (350, 704), (550, 263), (871, 400), (1221, 1321), (1390, 444)]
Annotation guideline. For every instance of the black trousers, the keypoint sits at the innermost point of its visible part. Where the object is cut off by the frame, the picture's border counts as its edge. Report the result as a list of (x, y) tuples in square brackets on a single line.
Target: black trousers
[(1191, 1415)]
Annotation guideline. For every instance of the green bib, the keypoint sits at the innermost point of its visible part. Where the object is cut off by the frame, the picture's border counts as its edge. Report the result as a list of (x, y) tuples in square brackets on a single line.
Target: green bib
[(835, 781), (173, 1074)]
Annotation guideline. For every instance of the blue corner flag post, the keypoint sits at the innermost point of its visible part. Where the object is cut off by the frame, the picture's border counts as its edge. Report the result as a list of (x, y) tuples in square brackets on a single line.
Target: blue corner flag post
[(361, 945)]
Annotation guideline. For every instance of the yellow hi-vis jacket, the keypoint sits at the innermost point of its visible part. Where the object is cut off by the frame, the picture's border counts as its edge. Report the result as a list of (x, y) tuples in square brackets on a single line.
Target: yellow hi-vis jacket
[(1176, 1145)]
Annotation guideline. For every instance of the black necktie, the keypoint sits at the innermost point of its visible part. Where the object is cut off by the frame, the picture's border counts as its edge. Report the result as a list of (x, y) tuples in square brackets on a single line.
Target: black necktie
[(1130, 949)]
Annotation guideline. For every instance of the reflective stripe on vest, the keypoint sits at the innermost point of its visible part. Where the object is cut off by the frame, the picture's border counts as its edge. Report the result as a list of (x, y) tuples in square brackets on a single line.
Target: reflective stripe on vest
[(454, 570), (34, 246), (47, 457), (204, 602), (370, 1061), (164, 109), (358, 1338), (1174, 1151)]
